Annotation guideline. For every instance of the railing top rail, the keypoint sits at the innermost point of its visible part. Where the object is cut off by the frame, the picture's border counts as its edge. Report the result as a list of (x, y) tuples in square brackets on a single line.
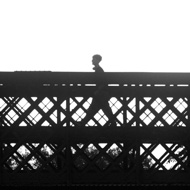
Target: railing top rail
[(47, 77)]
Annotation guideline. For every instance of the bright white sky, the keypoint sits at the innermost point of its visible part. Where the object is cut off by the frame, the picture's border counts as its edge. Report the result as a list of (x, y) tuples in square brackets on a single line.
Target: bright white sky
[(62, 35)]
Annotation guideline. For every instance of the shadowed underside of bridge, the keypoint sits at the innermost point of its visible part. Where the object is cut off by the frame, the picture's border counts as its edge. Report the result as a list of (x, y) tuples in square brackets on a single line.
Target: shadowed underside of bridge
[(43, 145)]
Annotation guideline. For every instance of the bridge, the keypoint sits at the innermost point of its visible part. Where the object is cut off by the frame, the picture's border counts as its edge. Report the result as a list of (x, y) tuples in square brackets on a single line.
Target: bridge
[(43, 142)]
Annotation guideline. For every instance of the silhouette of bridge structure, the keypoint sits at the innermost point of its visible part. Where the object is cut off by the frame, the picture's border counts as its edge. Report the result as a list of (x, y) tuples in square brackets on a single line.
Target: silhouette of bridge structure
[(41, 143)]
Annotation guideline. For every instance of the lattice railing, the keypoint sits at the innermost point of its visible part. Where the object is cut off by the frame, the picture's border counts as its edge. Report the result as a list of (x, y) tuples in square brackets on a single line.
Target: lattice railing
[(43, 143)]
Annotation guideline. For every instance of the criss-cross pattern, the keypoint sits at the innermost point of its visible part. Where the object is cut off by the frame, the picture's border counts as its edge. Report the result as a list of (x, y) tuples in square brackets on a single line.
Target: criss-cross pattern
[(33, 156), (161, 112), (28, 111), (164, 156), (103, 157), (79, 108)]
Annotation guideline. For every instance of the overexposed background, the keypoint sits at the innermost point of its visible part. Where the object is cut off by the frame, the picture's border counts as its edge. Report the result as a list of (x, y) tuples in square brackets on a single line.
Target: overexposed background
[(62, 35)]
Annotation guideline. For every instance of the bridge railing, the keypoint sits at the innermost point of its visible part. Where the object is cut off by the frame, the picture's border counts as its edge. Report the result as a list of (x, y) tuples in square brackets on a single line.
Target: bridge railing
[(43, 142)]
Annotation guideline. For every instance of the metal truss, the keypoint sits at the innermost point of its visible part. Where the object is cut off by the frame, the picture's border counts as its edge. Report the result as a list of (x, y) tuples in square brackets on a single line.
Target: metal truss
[(44, 142)]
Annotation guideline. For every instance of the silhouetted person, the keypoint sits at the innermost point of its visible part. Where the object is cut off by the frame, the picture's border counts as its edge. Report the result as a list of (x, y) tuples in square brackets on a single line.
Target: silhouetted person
[(101, 97)]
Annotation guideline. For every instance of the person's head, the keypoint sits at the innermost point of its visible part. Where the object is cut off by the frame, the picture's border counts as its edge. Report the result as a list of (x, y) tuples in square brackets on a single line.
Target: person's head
[(96, 59)]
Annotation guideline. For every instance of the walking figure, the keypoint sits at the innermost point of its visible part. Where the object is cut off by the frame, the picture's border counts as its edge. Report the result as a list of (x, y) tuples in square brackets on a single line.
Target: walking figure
[(101, 96)]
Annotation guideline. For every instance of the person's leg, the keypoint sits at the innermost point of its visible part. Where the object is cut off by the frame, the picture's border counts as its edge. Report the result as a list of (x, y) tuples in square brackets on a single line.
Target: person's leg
[(95, 106), (108, 111), (92, 110)]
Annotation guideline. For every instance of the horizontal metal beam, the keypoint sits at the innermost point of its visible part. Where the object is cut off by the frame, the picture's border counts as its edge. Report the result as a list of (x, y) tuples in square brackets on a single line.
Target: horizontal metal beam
[(40, 78)]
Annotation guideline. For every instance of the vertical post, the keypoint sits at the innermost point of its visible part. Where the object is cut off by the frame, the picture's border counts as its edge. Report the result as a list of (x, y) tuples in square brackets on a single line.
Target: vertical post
[(124, 111), (125, 159), (188, 125), (138, 142), (68, 144), (59, 129), (58, 111), (188, 109), (1, 153), (1, 166)]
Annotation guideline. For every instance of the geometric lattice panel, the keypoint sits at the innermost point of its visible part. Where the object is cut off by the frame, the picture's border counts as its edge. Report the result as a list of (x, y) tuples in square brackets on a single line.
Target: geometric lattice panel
[(160, 112), (79, 110), (102, 157), (169, 156), (43, 111), (28, 111), (78, 107), (33, 157)]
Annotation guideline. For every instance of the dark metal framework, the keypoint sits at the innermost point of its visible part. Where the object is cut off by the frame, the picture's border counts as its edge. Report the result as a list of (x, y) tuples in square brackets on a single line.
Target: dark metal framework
[(41, 143)]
